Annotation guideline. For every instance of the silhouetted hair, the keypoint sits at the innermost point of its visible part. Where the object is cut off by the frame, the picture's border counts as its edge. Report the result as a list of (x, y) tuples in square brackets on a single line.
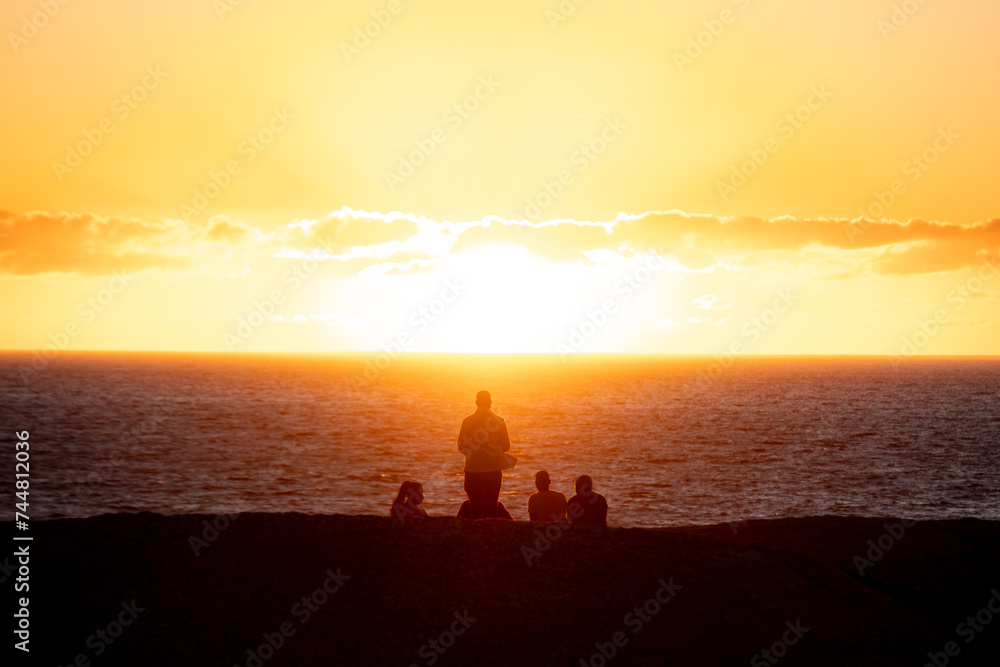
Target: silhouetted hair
[(584, 483), (542, 480), (405, 489), (484, 399)]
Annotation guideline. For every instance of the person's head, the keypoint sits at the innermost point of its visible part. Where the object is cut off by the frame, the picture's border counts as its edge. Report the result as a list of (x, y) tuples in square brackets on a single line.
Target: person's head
[(483, 399), (410, 492), (416, 495), (542, 480), (584, 484)]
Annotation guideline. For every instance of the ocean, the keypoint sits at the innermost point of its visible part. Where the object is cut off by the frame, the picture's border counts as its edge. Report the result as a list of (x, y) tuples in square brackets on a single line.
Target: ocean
[(668, 440)]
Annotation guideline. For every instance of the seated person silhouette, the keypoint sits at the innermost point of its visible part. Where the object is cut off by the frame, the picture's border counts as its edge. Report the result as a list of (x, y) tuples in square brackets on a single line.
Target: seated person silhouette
[(546, 505), (587, 507), (465, 511), (407, 502)]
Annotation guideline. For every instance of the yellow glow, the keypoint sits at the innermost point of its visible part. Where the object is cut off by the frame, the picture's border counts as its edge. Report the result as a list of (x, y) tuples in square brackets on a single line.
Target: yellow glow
[(509, 297), (209, 153)]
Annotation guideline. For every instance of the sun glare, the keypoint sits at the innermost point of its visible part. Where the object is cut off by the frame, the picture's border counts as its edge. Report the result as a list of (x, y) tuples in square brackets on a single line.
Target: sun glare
[(509, 298)]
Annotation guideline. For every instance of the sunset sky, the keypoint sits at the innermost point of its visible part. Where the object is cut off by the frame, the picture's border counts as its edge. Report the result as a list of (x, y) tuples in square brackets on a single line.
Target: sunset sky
[(747, 176)]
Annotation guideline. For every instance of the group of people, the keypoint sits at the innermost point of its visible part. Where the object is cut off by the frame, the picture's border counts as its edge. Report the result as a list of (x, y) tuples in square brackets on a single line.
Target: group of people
[(484, 441)]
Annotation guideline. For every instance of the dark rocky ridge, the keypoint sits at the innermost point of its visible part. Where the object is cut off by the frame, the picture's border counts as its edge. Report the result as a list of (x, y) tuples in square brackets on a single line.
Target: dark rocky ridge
[(739, 586)]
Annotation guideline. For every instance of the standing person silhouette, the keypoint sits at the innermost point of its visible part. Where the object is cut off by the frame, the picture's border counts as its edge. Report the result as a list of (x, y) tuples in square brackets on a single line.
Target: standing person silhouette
[(484, 440)]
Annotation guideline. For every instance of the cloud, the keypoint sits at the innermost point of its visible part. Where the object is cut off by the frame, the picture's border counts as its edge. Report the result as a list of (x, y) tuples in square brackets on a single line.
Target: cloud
[(347, 228), (221, 229), (558, 239), (350, 242), (860, 247), (413, 265), (712, 302), (86, 243)]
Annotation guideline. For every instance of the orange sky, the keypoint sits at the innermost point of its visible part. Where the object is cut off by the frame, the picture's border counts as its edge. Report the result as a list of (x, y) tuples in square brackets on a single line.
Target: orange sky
[(629, 176)]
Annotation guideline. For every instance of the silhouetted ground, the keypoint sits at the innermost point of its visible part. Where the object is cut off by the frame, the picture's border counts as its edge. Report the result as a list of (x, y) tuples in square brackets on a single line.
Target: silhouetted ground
[(737, 590)]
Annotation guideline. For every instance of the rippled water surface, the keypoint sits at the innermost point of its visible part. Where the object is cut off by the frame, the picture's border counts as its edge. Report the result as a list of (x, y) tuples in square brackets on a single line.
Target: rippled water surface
[(668, 441)]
